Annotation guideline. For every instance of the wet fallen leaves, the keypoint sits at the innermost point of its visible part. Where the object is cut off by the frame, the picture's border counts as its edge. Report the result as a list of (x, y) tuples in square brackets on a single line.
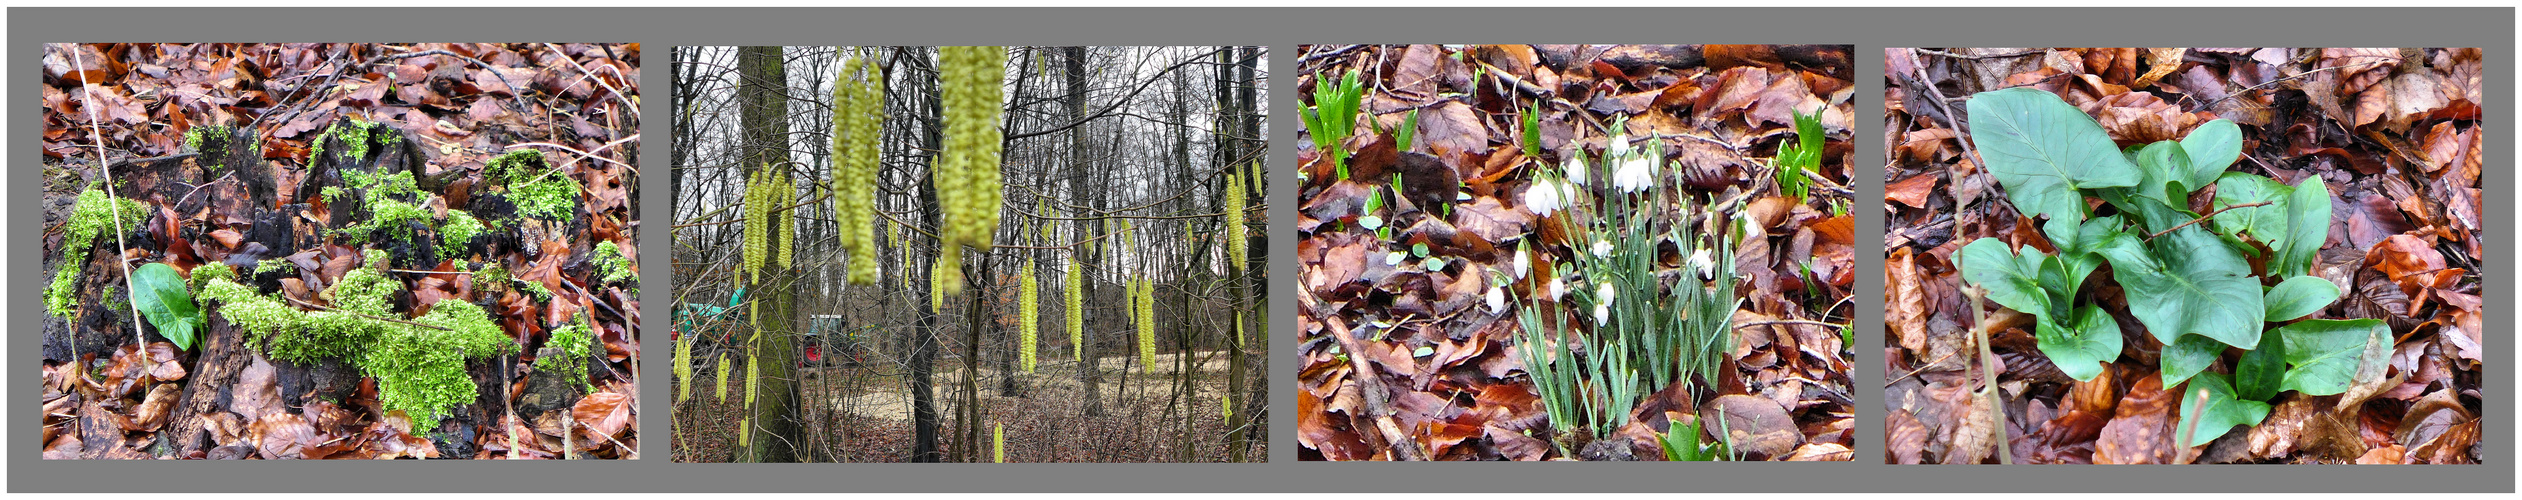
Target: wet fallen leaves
[(1406, 360), (459, 105), (2395, 132)]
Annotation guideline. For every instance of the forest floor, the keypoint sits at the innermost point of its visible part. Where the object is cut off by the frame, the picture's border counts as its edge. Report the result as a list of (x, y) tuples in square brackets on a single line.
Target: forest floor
[(2394, 133), (1410, 350), (870, 409), (222, 152)]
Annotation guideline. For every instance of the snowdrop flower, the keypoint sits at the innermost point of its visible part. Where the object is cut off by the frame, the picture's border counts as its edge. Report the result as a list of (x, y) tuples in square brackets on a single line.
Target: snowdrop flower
[(1575, 167), (1558, 288), (1634, 174), (1497, 300), (1602, 314), (1607, 293), (1602, 306), (1542, 197), (1699, 261), (1602, 248), (1521, 262), (1618, 147)]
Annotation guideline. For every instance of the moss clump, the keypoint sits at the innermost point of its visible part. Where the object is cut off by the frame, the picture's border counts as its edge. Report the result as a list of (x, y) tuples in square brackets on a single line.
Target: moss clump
[(211, 271), (610, 264), (388, 214), (419, 371), (566, 351), (271, 265), (92, 215), (534, 186), (458, 230), (355, 136), (210, 160)]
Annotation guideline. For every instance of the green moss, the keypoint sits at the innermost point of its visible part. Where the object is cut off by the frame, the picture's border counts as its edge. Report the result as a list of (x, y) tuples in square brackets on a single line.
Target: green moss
[(574, 343), (456, 232), (536, 288), (211, 271), (273, 265), (610, 264), (93, 214), (532, 185), (355, 136), (63, 295), (388, 215), (419, 371), (193, 139)]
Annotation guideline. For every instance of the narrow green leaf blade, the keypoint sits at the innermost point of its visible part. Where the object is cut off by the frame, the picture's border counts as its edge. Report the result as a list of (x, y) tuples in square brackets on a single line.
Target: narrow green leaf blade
[(2042, 150)]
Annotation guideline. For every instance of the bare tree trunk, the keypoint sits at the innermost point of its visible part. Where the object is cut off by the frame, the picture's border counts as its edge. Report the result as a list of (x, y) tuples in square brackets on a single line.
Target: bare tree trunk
[(924, 343), (765, 115)]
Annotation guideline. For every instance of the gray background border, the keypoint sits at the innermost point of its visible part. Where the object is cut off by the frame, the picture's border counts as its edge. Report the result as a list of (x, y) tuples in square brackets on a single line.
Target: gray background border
[(1869, 28)]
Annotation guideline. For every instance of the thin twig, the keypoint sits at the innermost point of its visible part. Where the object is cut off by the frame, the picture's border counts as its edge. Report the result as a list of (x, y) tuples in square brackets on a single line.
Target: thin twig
[(2007, 55), (2209, 215), (122, 249)]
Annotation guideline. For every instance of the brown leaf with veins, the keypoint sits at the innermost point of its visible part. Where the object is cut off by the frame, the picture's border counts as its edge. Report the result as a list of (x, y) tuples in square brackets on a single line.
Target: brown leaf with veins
[(2141, 430)]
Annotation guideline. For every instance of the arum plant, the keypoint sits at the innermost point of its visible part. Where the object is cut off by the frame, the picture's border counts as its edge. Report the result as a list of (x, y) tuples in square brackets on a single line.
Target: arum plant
[(1333, 116)]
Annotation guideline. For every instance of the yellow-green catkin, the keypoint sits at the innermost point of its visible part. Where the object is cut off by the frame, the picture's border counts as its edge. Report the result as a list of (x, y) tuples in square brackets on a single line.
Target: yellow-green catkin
[(683, 369), (1238, 328), (722, 376), (1028, 307), (970, 81), (998, 443), (752, 377), (857, 124), (1145, 310), (757, 223), (785, 194), (1076, 317), (1234, 222), (1228, 404), (945, 278), (744, 432)]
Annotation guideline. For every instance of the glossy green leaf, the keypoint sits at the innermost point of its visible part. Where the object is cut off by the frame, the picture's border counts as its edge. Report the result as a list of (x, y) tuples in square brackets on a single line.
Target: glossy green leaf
[(2188, 281), (2300, 296), (2307, 228), (2261, 371), (2211, 148), (2188, 356), (2011, 280), (160, 295), (2266, 223), (2325, 353), (2221, 413), (2080, 349), (2163, 168), (2043, 150)]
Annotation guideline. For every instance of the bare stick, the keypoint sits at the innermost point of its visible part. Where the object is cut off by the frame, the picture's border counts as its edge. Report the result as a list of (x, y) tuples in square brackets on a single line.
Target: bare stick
[(121, 249)]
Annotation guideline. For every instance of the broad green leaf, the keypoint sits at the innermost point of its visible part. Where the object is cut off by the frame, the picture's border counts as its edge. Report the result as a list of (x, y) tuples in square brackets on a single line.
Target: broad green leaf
[(2188, 281), (2043, 150), (2081, 349), (2212, 148), (2010, 280), (160, 295), (2222, 412), (2187, 357), (2258, 374), (2266, 223), (2307, 227), (2163, 169), (2325, 353), (2154, 215), (2300, 296), (1681, 443)]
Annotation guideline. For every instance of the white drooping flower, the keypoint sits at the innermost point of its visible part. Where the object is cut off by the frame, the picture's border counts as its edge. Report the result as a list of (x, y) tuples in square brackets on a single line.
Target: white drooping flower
[(1543, 197), (1635, 173), (1558, 288), (1699, 261), (1618, 147), (1497, 300), (1602, 306), (1606, 292), (1602, 248), (1521, 262), (1575, 167)]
